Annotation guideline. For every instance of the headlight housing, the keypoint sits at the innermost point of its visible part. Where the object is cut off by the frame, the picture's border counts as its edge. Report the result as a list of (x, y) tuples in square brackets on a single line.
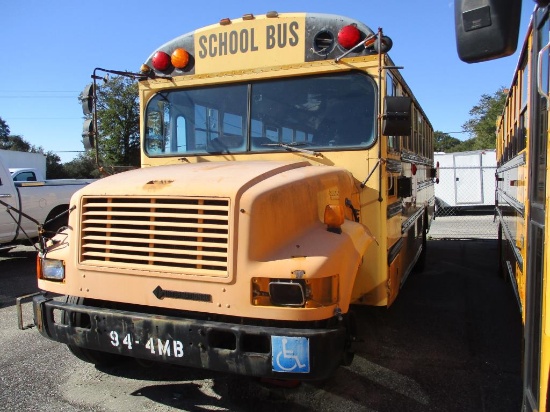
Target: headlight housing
[(297, 293), (51, 269)]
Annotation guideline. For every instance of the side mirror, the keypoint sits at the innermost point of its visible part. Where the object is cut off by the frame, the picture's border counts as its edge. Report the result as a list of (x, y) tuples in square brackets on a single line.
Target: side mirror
[(88, 130), (486, 29), (87, 98), (88, 134), (396, 120)]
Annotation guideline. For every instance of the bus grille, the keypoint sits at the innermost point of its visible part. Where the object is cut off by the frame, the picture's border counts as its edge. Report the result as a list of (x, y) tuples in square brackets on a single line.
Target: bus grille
[(176, 235)]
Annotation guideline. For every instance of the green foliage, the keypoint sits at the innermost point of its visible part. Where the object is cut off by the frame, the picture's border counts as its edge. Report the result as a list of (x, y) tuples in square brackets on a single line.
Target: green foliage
[(118, 122), (443, 142), (17, 143), (54, 168), (4, 128), (482, 126), (82, 167)]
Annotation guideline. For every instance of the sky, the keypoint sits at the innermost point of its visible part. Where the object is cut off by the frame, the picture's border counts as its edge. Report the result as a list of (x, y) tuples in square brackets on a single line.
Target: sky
[(50, 48)]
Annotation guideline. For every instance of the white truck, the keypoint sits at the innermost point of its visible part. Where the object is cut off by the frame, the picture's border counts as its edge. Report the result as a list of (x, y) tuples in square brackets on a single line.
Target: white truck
[(27, 206), (31, 174), (26, 174)]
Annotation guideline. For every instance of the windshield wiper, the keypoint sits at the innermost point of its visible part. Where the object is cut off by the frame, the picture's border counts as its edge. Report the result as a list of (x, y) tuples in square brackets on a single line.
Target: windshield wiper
[(292, 147)]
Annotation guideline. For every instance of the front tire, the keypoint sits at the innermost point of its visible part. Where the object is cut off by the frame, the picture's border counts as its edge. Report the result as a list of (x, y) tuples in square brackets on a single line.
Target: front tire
[(56, 220)]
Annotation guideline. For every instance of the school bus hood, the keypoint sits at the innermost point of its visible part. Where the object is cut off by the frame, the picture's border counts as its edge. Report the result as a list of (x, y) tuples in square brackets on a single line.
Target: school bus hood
[(218, 179)]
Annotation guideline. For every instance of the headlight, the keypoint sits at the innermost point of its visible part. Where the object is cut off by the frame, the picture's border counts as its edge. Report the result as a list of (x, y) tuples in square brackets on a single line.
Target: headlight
[(305, 293), (51, 269), (287, 293)]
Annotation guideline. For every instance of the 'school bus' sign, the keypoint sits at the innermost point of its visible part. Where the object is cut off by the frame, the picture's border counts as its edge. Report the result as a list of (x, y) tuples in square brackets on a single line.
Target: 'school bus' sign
[(260, 44)]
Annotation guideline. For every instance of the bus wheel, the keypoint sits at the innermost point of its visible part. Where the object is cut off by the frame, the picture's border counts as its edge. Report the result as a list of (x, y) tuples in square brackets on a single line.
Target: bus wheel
[(87, 355)]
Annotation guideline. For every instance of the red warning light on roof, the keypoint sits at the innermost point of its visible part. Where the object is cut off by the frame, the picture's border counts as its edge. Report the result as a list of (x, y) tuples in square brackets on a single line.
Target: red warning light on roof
[(161, 61), (349, 36)]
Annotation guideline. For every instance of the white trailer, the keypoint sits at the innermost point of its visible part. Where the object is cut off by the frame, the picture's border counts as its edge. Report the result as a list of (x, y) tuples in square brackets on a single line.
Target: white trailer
[(12, 159), (466, 180)]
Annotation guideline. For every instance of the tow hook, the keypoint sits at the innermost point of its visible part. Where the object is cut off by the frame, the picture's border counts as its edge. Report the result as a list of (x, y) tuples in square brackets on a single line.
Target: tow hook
[(19, 308)]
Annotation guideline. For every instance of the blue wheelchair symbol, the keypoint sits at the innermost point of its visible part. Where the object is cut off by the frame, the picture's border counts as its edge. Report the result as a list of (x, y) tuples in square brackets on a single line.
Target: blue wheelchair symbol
[(289, 354)]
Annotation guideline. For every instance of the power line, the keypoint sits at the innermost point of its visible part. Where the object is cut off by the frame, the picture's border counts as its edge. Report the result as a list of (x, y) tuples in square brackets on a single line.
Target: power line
[(38, 91), (38, 97), (33, 94), (44, 118)]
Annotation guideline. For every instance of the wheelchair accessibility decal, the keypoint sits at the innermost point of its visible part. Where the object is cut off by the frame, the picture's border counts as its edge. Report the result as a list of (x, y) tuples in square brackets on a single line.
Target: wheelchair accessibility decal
[(290, 354)]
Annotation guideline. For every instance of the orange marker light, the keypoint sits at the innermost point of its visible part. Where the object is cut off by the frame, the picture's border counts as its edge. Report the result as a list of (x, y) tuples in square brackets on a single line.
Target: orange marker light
[(180, 58), (38, 267), (334, 216)]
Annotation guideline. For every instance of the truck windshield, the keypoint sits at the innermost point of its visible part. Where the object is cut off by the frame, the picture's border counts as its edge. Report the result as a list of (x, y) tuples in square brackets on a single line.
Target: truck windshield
[(331, 112)]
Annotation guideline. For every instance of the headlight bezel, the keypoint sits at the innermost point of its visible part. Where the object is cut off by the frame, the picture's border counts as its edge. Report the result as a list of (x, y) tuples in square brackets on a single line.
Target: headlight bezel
[(316, 292), (51, 269)]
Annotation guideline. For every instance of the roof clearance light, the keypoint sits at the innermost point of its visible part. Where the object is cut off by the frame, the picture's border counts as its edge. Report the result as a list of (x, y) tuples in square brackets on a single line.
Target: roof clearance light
[(180, 58), (349, 36), (161, 61), (145, 69)]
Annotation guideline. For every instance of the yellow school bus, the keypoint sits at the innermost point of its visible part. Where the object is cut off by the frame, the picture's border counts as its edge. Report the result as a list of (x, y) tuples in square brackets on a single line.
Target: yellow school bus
[(287, 174), (522, 172), (522, 201)]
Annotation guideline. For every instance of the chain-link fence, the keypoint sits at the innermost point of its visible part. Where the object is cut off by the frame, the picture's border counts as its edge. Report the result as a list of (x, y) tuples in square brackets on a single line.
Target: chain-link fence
[(465, 196)]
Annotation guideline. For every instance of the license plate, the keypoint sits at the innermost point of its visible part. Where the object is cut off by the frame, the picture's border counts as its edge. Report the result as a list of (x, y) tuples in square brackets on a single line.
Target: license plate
[(130, 343)]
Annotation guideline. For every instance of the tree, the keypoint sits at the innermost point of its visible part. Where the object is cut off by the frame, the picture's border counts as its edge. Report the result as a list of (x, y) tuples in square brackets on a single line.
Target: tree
[(14, 142), (4, 128), (444, 142), (118, 122), (482, 126), (82, 167), (54, 168)]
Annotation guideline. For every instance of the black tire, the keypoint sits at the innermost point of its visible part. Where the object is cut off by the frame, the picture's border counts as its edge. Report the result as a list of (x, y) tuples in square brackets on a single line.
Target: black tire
[(88, 355), (51, 226)]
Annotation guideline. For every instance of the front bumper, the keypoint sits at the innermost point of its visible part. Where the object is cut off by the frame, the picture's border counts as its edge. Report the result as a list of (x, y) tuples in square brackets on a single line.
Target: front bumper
[(280, 353)]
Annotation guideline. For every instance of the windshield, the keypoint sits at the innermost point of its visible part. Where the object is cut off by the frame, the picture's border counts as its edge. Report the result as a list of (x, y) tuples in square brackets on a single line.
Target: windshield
[(327, 112)]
